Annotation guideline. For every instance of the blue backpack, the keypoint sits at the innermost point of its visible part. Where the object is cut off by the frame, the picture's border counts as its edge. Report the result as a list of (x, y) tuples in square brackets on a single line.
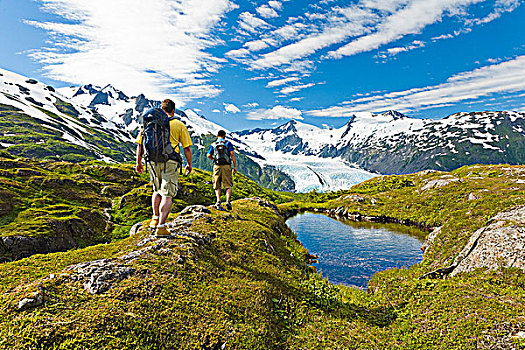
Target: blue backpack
[(156, 137)]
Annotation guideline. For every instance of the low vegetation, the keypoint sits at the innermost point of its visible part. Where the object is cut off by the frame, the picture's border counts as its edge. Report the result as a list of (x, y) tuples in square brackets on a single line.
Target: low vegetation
[(22, 135), (246, 283), (62, 205)]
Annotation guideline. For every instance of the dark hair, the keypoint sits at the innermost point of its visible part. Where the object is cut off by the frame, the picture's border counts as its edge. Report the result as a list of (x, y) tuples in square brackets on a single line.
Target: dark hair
[(168, 106), (221, 133)]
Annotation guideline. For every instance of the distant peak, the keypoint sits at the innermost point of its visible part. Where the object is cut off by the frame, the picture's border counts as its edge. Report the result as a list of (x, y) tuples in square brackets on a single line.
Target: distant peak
[(114, 93), (284, 128), (394, 114)]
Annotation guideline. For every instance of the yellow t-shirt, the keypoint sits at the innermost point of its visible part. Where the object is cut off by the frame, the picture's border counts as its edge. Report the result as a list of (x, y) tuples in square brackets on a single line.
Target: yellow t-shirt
[(178, 135)]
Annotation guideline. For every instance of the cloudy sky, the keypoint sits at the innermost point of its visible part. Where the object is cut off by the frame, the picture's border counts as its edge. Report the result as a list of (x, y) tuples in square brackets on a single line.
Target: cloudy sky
[(248, 64)]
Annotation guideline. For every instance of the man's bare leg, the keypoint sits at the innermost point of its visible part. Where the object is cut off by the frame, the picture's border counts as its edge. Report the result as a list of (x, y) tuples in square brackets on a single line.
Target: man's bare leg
[(228, 194), (165, 208), (155, 203), (218, 195)]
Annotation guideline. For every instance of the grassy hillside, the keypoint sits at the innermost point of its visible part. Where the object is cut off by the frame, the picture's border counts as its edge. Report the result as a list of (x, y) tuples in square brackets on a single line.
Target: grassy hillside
[(55, 206), (25, 136), (240, 279)]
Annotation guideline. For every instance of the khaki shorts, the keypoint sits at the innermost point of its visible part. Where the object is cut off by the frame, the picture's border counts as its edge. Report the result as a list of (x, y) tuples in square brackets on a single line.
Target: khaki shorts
[(222, 174), (165, 179)]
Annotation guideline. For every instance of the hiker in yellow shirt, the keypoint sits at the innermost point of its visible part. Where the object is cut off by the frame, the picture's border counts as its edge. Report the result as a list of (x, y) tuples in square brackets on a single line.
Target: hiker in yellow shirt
[(164, 174)]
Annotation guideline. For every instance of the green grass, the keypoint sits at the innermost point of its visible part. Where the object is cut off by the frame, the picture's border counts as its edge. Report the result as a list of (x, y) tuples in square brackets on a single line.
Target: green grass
[(250, 288), (73, 201)]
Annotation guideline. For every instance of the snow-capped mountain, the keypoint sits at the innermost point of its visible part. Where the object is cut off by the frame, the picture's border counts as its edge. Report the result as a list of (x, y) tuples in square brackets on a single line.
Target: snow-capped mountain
[(101, 122), (290, 172), (127, 111), (39, 121), (393, 143)]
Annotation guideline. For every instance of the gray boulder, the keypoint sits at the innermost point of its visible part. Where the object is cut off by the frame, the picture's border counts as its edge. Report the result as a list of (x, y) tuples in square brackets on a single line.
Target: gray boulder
[(500, 244)]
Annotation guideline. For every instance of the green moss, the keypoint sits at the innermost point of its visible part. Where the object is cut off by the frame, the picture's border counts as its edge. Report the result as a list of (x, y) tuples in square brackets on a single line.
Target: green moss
[(250, 288)]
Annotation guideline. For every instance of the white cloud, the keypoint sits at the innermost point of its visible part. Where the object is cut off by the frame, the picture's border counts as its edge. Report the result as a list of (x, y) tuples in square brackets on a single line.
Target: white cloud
[(505, 77), (231, 108), (277, 112), (344, 23), (331, 31), (296, 99), (256, 45), (416, 44), (411, 19), (251, 23), (500, 8), (266, 11), (216, 111), (280, 82), (275, 4), (290, 89), (156, 47), (444, 36), (251, 105)]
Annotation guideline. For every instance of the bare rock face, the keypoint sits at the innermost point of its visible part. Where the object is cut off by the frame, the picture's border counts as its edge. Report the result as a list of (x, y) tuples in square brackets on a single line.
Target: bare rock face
[(431, 238), (441, 182), (500, 244), (98, 276), (36, 299)]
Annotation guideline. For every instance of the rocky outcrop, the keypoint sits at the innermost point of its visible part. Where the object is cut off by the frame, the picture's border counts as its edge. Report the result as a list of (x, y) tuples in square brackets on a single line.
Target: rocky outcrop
[(66, 235), (440, 182), (344, 213), (99, 276), (499, 244)]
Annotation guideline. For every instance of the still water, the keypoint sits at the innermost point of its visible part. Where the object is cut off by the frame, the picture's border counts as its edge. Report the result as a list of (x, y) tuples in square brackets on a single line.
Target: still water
[(350, 253)]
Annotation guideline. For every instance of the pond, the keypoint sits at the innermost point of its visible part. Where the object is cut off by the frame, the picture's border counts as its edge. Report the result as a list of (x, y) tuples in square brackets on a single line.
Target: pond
[(351, 252)]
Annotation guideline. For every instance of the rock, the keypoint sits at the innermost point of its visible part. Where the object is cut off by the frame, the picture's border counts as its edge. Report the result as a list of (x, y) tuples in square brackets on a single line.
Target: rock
[(426, 172), (430, 239), (437, 183), (520, 335), (499, 244), (135, 229), (194, 209), (473, 196), (354, 198), (36, 299), (98, 276)]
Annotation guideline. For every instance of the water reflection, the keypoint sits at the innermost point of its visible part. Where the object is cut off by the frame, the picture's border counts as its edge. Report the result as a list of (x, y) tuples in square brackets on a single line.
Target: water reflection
[(350, 253)]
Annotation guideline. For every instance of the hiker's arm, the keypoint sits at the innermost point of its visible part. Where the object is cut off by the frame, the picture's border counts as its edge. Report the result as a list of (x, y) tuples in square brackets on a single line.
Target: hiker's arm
[(210, 153), (139, 168), (234, 162), (187, 154)]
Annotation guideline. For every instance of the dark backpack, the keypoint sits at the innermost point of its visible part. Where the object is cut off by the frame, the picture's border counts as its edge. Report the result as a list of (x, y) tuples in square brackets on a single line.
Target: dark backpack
[(222, 156), (156, 137)]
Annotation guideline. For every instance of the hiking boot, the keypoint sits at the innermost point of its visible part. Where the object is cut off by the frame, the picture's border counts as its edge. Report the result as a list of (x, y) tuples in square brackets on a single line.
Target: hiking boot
[(153, 223), (228, 206), (218, 206), (162, 232)]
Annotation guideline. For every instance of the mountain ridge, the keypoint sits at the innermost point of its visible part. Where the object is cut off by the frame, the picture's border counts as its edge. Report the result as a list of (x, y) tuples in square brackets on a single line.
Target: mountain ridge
[(292, 155)]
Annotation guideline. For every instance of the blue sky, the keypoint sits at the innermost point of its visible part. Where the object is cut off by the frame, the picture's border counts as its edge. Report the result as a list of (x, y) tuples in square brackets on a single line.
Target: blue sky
[(246, 64)]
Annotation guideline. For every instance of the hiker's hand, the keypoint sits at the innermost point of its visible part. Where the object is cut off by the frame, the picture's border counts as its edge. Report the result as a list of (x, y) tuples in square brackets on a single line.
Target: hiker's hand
[(139, 168), (188, 169), (234, 171)]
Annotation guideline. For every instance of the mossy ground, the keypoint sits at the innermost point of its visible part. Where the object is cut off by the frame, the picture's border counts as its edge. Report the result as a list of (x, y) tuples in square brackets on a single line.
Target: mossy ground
[(250, 288), (92, 202)]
